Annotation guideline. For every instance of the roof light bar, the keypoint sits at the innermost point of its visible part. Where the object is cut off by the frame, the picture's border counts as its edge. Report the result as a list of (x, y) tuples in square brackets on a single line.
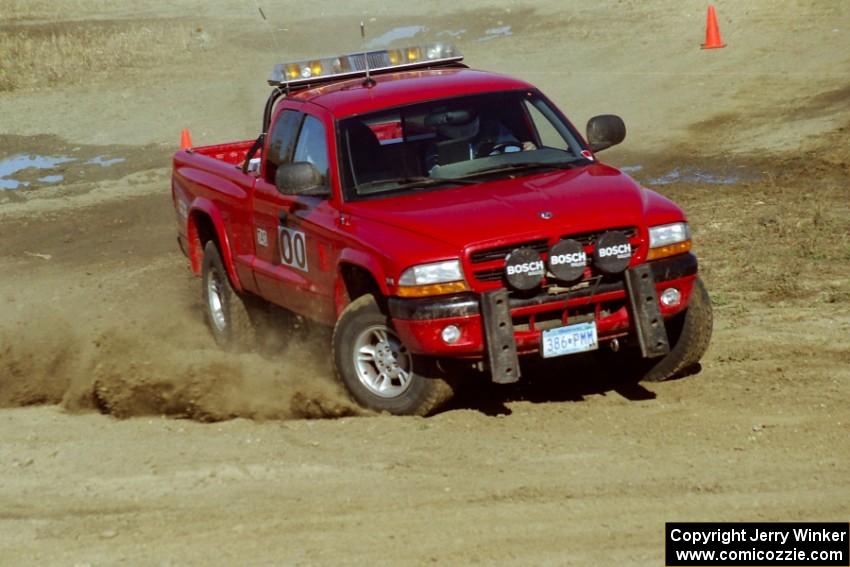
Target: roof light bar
[(326, 69)]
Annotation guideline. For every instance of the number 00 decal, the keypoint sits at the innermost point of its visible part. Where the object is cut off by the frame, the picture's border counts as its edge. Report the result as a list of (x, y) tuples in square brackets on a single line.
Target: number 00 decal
[(293, 248)]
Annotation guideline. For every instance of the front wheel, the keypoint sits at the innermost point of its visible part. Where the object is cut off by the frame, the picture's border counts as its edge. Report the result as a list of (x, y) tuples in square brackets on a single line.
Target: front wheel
[(689, 334), (378, 370)]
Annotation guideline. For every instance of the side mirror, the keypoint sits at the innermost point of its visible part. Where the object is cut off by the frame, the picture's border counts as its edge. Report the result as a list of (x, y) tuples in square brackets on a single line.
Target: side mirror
[(299, 178), (605, 131)]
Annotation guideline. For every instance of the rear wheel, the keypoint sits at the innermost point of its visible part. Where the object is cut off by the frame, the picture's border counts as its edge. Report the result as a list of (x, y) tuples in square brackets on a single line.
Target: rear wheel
[(378, 370), (225, 310)]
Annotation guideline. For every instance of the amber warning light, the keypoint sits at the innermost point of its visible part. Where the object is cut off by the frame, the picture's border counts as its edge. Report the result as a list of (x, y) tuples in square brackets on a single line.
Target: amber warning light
[(313, 71)]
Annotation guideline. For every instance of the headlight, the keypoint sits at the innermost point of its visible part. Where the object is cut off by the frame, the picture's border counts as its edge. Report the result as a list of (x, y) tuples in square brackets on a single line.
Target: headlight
[(668, 234), (668, 240), (432, 279), (438, 272)]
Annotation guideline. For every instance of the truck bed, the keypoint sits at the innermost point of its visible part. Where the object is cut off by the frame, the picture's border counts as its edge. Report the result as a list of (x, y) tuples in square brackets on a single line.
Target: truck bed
[(211, 178), (231, 152)]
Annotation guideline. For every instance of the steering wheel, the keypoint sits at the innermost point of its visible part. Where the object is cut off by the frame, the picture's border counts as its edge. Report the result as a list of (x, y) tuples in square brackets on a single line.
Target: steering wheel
[(490, 148)]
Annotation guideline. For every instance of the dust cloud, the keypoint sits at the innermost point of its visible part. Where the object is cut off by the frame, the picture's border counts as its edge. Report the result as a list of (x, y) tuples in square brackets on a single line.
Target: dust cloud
[(128, 370)]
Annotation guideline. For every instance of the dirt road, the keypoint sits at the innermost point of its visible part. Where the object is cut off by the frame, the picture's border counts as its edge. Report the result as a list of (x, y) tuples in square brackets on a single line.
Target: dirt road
[(127, 438)]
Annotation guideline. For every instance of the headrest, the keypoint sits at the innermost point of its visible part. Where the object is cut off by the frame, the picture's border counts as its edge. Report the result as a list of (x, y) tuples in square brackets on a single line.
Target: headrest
[(450, 117)]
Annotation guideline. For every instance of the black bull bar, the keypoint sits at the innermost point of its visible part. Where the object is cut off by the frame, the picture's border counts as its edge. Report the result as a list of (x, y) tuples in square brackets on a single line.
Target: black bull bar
[(494, 307)]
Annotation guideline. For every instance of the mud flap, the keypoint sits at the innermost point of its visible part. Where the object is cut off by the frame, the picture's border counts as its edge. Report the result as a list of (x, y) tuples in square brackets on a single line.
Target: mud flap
[(646, 316), (499, 336)]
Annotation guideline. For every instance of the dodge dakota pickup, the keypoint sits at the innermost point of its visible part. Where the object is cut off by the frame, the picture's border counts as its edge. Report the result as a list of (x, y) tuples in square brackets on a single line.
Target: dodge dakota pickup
[(433, 213)]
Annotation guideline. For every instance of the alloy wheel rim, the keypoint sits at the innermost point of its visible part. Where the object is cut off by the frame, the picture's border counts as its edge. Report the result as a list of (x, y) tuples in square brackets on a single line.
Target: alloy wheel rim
[(215, 301), (382, 363)]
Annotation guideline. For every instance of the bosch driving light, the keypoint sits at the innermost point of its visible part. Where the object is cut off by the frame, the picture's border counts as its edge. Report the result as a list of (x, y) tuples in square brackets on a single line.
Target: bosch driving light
[(437, 278), (668, 240), (356, 64)]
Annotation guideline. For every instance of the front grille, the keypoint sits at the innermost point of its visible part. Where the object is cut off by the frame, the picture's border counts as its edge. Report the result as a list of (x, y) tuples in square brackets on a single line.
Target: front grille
[(499, 253), (489, 275), (494, 273), (589, 238)]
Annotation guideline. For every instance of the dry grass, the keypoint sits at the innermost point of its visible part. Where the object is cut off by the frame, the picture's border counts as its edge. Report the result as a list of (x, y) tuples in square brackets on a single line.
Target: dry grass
[(45, 10), (783, 239), (46, 55)]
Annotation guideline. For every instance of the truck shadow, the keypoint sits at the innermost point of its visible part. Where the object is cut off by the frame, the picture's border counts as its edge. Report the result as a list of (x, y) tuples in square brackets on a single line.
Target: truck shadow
[(571, 379), (568, 379)]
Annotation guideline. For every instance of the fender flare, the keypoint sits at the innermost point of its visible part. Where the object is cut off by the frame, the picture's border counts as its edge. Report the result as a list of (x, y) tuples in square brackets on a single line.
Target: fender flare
[(364, 261), (204, 207)]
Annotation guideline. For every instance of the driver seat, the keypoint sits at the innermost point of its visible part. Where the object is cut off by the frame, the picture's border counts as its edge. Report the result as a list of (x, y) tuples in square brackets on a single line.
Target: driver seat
[(457, 129), (367, 154)]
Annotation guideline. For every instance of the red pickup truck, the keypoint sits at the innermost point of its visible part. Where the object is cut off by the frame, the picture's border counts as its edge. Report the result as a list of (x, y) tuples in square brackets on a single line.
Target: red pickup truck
[(433, 213)]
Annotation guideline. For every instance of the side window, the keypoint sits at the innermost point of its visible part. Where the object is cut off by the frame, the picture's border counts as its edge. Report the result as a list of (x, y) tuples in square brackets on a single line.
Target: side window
[(312, 146), (549, 136), (282, 141)]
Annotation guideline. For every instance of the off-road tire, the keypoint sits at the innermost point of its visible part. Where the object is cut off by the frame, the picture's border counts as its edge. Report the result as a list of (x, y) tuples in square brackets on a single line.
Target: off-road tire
[(689, 334), (428, 389), (234, 328)]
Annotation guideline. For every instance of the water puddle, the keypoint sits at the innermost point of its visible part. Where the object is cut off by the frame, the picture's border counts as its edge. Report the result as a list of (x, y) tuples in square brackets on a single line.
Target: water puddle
[(13, 165), (104, 161), (22, 171), (631, 168), (497, 32), (454, 34), (408, 33), (709, 173), (693, 175), (395, 34)]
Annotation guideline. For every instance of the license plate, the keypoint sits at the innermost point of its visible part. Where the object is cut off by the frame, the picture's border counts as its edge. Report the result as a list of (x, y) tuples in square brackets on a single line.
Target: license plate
[(571, 339)]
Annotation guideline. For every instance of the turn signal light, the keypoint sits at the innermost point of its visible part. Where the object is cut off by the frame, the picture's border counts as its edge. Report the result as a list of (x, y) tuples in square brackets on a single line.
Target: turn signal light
[(431, 289), (669, 250)]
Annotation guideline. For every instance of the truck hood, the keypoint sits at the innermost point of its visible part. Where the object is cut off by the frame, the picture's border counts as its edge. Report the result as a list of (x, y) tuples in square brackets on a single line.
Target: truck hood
[(585, 199)]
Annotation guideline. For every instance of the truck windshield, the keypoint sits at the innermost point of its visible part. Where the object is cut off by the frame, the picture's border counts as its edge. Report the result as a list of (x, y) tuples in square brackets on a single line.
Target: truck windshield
[(450, 142)]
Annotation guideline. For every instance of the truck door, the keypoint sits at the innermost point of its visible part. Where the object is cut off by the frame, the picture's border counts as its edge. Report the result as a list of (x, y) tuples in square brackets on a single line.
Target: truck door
[(294, 266)]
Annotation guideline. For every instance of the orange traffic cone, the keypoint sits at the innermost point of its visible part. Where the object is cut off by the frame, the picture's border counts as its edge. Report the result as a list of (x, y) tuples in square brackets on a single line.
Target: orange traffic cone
[(712, 31), (185, 139)]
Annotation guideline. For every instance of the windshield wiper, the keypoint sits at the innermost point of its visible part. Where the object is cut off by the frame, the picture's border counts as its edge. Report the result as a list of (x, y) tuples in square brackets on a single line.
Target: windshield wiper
[(527, 165), (402, 183)]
